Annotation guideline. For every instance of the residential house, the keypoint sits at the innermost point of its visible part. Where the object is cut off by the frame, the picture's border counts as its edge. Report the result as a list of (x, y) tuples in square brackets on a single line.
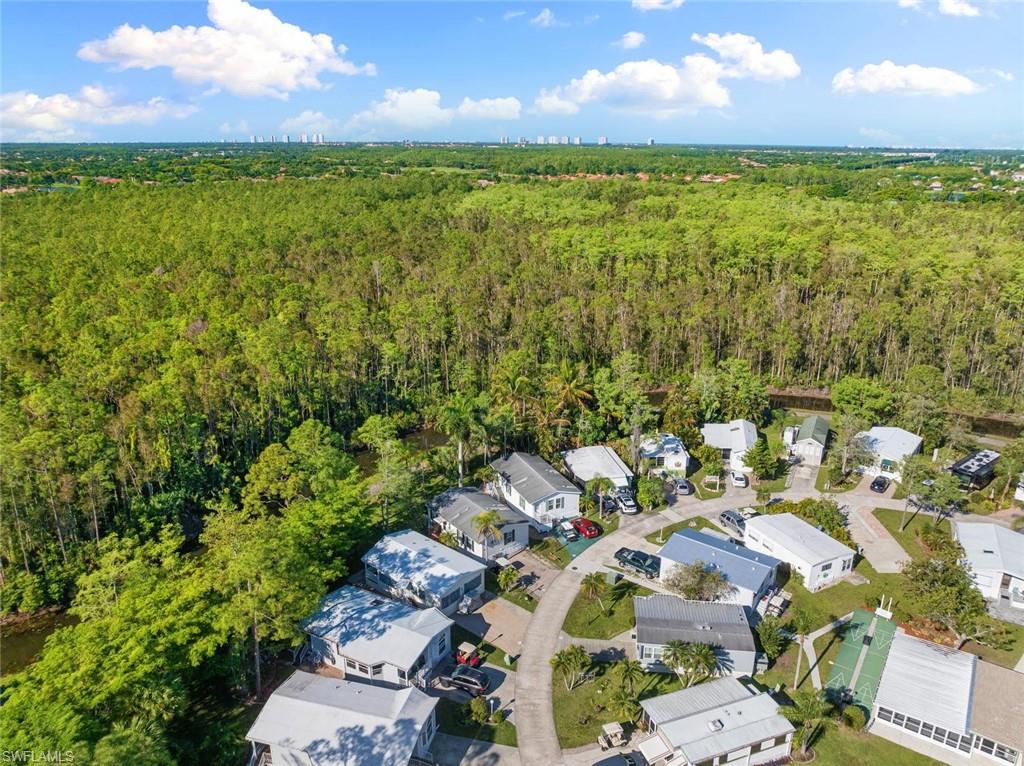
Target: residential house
[(994, 556), (411, 566), (661, 618), (718, 722), (733, 439), (456, 509), (531, 484), (369, 636), (811, 440), (1018, 494), (949, 704), (820, 559), (666, 451), (977, 469), (317, 720), (597, 462), (891, 446), (751, 574)]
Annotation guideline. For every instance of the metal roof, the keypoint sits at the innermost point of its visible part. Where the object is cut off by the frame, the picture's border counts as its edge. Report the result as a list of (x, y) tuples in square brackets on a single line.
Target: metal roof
[(991, 547), (815, 428), (714, 718), (929, 682), (736, 435), (661, 618), (981, 463), (372, 628), (798, 537), (891, 443), (588, 463), (533, 477), (740, 566), (460, 505), (410, 556), (999, 704), (661, 444), (333, 722)]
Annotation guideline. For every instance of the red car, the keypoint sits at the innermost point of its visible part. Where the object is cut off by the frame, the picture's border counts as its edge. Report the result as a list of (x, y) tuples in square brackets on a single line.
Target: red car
[(586, 527)]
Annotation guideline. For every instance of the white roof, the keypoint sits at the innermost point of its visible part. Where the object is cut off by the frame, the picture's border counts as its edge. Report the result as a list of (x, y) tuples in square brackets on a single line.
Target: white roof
[(798, 537), (313, 719), (661, 444), (372, 628), (588, 463), (408, 556), (929, 682), (714, 718), (991, 547), (736, 435), (891, 443)]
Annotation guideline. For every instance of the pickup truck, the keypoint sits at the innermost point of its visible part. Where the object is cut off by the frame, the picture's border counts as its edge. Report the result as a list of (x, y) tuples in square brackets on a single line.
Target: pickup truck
[(639, 562)]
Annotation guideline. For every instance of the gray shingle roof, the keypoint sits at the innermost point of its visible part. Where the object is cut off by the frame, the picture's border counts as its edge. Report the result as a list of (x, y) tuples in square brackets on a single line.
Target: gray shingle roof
[(814, 427), (741, 566), (533, 477), (661, 618), (460, 505)]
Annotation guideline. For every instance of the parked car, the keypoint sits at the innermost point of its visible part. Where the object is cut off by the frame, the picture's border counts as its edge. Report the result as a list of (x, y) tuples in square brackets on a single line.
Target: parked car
[(793, 460), (466, 678), (740, 479), (624, 499), (880, 484), (682, 487), (567, 531), (641, 563), (732, 520), (586, 527)]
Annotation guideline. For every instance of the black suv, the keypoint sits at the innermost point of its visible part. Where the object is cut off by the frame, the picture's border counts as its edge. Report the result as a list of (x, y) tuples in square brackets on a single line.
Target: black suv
[(466, 678), (642, 563), (880, 484)]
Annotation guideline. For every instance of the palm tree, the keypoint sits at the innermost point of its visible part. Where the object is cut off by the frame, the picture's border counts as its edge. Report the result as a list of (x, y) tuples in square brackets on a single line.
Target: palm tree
[(623, 704), (675, 656), (702, 663), (807, 710), (593, 587), (599, 487), (508, 578), (630, 672), (799, 623), (569, 386), (448, 538), (571, 663), (457, 418), (488, 526)]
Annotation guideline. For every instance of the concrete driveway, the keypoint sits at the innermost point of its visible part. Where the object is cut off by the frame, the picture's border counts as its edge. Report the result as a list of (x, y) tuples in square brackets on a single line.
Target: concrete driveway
[(449, 750), (499, 622), (878, 546)]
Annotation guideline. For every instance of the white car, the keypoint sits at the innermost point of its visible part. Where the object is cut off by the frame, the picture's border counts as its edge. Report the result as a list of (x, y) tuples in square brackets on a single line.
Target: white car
[(739, 480)]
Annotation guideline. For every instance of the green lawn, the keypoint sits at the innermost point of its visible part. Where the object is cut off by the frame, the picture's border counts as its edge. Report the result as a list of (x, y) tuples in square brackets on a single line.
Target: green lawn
[(908, 537), (706, 493), (841, 746), (452, 718), (552, 551), (827, 647), (822, 479), (488, 652), (587, 619), (517, 596), (781, 671), (580, 713), (778, 484), (698, 522)]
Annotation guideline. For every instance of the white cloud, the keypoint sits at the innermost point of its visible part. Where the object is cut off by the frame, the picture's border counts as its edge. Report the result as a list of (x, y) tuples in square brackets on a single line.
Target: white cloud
[(490, 109), (509, 15), (745, 57), (546, 18), (657, 5), (957, 8), (662, 89), (28, 115), (421, 109), (310, 122), (631, 40), (911, 80), (914, 4), (1002, 74), (242, 126), (248, 51)]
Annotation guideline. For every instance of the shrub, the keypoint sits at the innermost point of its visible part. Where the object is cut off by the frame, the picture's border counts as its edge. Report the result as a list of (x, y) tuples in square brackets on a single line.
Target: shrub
[(479, 710), (498, 716), (854, 717)]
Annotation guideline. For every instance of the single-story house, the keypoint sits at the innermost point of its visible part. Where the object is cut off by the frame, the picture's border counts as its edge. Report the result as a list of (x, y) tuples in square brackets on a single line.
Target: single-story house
[(666, 451), (720, 721), (751, 574), (370, 636), (811, 440), (891, 446), (949, 704), (820, 559), (661, 618), (733, 439), (315, 720), (597, 462), (994, 556), (1018, 493), (977, 469), (531, 484), (411, 566), (455, 510)]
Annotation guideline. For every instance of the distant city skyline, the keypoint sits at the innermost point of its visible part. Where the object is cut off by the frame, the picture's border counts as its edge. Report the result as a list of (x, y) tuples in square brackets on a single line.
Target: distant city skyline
[(883, 73)]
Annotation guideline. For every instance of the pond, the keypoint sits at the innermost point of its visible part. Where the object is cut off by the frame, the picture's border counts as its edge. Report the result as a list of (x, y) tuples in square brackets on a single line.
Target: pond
[(22, 643), (420, 441)]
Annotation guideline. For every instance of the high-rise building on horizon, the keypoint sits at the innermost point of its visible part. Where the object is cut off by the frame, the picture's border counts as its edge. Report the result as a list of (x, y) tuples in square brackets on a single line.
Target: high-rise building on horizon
[(252, 139), (577, 141), (552, 139), (565, 140), (650, 142), (504, 140), (540, 140), (284, 138), (602, 140)]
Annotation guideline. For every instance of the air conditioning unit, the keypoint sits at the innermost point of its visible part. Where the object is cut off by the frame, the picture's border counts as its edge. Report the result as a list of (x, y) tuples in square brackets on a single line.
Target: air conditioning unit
[(716, 725)]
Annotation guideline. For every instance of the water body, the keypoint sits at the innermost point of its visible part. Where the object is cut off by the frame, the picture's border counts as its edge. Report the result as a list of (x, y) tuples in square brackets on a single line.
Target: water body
[(20, 645), (420, 441)]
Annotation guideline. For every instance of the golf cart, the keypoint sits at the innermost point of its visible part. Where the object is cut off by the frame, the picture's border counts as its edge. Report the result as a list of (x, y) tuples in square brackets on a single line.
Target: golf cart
[(611, 736), (467, 654)]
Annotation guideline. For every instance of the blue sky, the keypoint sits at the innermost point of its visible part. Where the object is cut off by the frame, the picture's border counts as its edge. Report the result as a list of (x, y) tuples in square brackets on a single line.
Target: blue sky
[(888, 72)]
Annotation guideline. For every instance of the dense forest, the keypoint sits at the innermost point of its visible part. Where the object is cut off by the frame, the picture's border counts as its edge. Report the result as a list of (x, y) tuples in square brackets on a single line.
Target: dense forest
[(188, 364)]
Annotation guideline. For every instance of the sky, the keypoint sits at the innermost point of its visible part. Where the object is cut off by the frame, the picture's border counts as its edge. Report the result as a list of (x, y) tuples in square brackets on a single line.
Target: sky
[(935, 73)]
